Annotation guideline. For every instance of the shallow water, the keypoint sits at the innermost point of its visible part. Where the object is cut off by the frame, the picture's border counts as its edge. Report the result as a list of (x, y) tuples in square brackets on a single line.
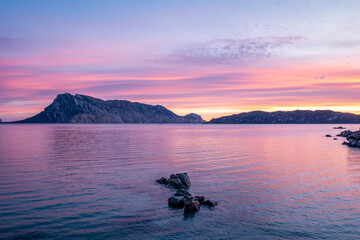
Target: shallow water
[(98, 181)]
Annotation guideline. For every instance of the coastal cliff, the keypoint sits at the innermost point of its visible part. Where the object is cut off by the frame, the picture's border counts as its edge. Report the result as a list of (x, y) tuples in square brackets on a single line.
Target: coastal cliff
[(288, 117), (67, 108)]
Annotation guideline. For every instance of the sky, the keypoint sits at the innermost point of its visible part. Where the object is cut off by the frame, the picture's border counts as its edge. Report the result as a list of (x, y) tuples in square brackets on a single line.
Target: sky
[(210, 57)]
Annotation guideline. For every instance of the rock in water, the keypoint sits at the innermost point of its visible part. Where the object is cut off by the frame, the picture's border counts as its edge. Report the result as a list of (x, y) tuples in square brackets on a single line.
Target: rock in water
[(176, 183), (352, 137), (345, 133), (184, 179), (179, 181), (174, 176), (200, 199), (209, 203), (328, 135), (182, 197), (176, 201), (162, 180), (191, 205), (182, 192), (339, 127)]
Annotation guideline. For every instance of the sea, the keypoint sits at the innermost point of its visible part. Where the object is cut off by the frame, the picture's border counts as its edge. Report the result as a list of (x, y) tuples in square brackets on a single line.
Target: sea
[(98, 181)]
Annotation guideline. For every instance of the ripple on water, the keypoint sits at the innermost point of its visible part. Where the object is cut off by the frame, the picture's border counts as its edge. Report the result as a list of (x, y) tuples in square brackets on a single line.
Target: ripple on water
[(97, 181)]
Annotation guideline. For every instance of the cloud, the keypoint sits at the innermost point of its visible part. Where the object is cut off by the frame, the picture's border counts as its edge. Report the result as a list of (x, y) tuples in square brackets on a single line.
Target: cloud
[(320, 77), (9, 42), (228, 51), (5, 41)]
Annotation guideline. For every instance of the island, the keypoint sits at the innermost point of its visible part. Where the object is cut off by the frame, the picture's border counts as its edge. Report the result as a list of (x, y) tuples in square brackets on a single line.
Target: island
[(67, 108), (289, 117)]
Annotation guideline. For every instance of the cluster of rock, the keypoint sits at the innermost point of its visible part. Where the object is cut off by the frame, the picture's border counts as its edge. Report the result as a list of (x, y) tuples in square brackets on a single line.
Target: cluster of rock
[(328, 135), (339, 127), (352, 137), (176, 181), (345, 133), (183, 198)]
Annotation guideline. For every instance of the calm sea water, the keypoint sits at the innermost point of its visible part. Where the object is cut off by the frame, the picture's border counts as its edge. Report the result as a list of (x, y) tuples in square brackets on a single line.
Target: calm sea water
[(98, 181)]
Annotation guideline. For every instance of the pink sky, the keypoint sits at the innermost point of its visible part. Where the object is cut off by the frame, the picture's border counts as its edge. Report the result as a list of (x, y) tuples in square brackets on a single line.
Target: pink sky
[(208, 58)]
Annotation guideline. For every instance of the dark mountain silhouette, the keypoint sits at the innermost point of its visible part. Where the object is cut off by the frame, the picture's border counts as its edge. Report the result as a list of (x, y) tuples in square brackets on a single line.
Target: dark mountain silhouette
[(67, 108), (298, 116)]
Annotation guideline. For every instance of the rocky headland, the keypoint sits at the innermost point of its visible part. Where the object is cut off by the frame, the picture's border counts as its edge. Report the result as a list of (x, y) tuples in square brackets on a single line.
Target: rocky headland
[(289, 117), (353, 138), (67, 108)]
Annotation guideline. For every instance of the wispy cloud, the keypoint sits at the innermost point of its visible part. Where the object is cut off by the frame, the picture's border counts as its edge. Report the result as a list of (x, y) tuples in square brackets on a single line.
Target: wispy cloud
[(5, 41), (320, 77), (228, 51)]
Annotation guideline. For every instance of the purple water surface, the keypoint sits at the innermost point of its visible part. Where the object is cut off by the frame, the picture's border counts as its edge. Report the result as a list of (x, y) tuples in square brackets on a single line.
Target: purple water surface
[(98, 181)]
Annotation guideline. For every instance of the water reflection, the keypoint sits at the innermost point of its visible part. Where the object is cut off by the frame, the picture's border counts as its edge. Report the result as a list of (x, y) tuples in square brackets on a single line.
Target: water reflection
[(97, 181)]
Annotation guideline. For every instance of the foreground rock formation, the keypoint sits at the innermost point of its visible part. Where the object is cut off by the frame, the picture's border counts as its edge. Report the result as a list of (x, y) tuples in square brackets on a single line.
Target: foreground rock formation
[(177, 181), (182, 197), (298, 116), (352, 137), (67, 108)]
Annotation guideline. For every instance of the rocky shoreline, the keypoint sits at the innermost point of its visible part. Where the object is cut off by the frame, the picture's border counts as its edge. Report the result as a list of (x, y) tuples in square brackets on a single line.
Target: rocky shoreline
[(183, 198), (353, 138)]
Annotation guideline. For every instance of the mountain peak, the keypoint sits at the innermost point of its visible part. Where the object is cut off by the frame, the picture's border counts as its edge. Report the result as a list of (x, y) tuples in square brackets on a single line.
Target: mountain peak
[(68, 108)]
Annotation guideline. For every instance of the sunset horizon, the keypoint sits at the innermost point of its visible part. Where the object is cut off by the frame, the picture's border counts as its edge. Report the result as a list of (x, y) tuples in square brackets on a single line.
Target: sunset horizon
[(208, 58), (170, 120), (207, 117)]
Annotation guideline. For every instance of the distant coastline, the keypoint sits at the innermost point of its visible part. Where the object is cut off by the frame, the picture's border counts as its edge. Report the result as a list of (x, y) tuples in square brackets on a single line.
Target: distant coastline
[(67, 108)]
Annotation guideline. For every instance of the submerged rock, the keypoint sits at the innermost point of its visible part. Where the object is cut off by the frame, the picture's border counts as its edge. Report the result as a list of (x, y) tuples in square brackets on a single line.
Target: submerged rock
[(176, 201), (209, 203), (182, 192), (162, 180), (328, 135), (191, 205), (184, 179), (175, 183), (200, 199)]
